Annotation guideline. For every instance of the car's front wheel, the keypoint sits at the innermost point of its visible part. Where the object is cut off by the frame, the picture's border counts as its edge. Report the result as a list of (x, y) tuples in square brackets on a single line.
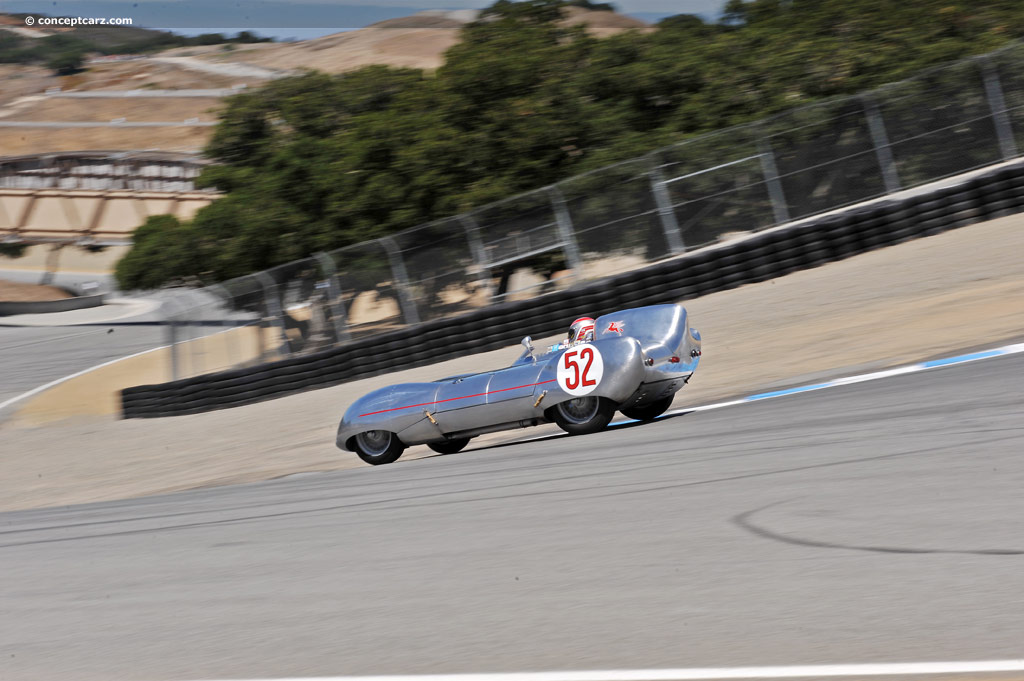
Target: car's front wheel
[(583, 415), (449, 446), (378, 447), (649, 412)]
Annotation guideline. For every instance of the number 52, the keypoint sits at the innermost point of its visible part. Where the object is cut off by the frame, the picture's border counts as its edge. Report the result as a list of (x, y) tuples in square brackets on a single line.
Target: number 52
[(579, 378)]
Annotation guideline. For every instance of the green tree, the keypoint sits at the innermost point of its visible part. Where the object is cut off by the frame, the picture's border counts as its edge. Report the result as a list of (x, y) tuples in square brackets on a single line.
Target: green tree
[(210, 39), (592, 6), (66, 63), (163, 249), (529, 11), (316, 162), (249, 37)]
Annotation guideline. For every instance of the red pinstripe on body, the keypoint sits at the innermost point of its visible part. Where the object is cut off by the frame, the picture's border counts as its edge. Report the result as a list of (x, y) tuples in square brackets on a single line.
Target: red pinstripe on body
[(462, 397)]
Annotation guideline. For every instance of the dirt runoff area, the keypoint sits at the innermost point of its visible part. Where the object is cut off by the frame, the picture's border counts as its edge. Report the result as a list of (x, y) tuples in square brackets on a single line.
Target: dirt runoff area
[(926, 298), (17, 292)]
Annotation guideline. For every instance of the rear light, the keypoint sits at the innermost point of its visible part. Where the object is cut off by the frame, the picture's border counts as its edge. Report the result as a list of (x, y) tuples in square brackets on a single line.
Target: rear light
[(649, 361), (694, 353), (673, 359)]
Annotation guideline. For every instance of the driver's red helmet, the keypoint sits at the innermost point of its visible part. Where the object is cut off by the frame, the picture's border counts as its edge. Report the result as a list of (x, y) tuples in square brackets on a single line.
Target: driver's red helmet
[(582, 330)]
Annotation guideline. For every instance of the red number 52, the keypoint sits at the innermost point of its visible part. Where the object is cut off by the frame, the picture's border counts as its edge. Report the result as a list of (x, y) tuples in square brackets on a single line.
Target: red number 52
[(579, 377)]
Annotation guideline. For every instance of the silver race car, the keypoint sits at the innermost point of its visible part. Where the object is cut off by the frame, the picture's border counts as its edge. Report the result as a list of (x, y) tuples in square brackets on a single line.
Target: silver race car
[(633, 361)]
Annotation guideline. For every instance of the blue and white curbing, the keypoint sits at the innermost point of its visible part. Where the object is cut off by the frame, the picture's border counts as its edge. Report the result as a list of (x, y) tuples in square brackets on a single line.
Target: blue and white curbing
[(834, 383), (860, 378)]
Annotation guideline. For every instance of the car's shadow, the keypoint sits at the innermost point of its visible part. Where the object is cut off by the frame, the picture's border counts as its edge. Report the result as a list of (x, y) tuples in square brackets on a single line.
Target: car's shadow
[(621, 424)]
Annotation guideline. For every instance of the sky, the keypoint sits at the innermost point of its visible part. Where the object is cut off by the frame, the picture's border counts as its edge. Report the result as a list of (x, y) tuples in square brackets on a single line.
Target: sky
[(283, 19)]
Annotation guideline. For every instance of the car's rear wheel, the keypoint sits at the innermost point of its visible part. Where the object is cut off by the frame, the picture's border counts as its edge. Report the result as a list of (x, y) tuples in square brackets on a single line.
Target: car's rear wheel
[(449, 446), (649, 412), (582, 415), (378, 447)]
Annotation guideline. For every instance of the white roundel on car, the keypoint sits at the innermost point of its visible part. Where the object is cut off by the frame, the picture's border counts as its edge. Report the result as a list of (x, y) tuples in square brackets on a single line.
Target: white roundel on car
[(580, 369)]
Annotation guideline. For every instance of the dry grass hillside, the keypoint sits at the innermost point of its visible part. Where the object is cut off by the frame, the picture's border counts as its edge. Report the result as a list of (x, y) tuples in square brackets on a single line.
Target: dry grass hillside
[(19, 81), (22, 98), (417, 41), (30, 141), (104, 110), (422, 48)]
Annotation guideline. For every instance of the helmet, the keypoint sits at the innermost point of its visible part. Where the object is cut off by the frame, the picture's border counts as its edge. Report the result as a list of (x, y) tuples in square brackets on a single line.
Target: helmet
[(581, 330)]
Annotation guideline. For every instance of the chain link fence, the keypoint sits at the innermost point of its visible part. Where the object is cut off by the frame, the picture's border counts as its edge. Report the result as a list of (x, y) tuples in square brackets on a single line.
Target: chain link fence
[(946, 121)]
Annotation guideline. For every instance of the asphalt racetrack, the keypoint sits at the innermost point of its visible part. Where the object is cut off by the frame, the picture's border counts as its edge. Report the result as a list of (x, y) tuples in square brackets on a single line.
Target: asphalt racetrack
[(874, 522), (33, 356)]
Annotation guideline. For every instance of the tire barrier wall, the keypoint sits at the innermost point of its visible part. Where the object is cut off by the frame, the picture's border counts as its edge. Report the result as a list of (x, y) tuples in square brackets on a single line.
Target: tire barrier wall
[(765, 255)]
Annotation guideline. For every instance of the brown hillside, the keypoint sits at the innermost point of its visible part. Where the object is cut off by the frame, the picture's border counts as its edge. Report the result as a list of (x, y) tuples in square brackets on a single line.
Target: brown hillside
[(417, 41), (422, 48), (171, 110), (26, 141)]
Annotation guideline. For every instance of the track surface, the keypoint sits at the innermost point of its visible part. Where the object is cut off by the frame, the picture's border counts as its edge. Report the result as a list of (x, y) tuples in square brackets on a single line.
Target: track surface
[(33, 356), (875, 522)]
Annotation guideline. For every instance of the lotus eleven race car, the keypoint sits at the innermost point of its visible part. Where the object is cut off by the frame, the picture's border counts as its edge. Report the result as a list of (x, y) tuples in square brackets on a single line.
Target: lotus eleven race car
[(633, 361)]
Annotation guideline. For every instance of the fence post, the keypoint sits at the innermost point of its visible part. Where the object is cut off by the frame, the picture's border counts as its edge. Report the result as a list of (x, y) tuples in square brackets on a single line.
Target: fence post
[(225, 321), (171, 335), (261, 340), (337, 305), (883, 151), (476, 246), (274, 310), (771, 177), (996, 103), (189, 345), (666, 212), (172, 340), (401, 280), (565, 230), (197, 337)]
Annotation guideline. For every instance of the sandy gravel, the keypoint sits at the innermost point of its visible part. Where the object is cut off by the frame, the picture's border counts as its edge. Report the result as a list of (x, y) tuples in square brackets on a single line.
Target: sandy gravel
[(929, 297)]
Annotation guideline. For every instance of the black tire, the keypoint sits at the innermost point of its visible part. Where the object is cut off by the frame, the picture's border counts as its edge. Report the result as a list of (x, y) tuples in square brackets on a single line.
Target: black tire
[(649, 412), (583, 415), (449, 446), (378, 447)]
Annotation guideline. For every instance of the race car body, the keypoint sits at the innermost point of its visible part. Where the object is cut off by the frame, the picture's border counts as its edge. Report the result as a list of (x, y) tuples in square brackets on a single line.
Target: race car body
[(636, 362)]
